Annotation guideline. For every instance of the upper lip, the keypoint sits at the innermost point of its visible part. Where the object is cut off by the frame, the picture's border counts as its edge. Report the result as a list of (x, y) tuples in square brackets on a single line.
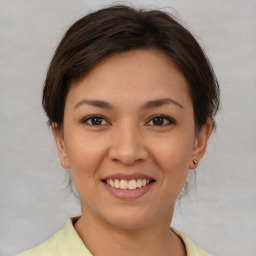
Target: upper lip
[(125, 176)]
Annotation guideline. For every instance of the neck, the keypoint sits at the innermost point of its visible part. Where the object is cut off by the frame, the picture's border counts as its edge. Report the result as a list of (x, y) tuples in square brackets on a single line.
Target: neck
[(102, 238)]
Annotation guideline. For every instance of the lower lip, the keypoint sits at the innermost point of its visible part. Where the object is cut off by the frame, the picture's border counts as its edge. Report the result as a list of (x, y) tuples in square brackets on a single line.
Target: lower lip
[(128, 193)]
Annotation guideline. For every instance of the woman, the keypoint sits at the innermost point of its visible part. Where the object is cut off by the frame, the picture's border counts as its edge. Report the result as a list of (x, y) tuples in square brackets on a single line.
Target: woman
[(130, 98)]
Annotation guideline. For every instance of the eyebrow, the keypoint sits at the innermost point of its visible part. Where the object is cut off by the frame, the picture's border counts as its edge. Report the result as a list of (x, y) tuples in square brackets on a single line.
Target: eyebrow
[(147, 105), (160, 102), (95, 103)]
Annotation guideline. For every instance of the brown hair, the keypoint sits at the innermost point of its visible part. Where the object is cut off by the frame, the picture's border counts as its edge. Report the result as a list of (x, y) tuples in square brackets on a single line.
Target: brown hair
[(120, 28)]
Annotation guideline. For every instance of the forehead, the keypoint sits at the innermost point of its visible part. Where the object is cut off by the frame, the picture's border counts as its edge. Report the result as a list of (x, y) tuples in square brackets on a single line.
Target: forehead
[(136, 75)]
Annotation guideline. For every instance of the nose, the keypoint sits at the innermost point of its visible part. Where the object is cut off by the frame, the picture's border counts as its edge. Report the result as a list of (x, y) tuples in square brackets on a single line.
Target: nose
[(127, 146)]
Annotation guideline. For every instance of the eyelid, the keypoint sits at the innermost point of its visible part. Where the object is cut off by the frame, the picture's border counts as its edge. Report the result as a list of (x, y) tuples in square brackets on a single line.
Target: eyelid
[(85, 119), (171, 120)]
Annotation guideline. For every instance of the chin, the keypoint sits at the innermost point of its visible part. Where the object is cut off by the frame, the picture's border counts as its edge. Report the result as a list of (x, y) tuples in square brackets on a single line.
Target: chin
[(129, 219), (128, 223)]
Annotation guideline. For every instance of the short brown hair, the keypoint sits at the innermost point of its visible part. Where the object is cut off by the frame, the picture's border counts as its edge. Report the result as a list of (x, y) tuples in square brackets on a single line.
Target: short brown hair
[(121, 28)]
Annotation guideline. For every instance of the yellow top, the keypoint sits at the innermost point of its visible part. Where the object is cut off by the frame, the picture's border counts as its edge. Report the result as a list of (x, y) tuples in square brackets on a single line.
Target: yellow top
[(66, 242)]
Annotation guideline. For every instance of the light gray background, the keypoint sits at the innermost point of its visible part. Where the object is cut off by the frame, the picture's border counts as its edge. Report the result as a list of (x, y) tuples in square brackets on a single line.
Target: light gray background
[(219, 215)]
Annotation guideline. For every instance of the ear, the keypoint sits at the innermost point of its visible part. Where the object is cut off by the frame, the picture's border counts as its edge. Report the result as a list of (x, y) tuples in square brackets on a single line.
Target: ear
[(60, 145), (200, 144)]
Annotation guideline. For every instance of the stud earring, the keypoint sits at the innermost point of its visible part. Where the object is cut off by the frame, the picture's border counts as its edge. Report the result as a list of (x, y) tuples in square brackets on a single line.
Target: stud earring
[(195, 161)]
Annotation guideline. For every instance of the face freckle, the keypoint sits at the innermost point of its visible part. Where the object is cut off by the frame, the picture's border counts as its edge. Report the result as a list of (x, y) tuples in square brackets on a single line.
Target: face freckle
[(127, 145)]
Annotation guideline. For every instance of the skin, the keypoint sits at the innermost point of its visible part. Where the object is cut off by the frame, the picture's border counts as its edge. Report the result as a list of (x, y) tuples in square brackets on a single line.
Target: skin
[(128, 141)]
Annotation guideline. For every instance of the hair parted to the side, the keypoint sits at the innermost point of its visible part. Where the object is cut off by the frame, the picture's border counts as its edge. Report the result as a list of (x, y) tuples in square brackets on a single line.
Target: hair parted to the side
[(121, 28)]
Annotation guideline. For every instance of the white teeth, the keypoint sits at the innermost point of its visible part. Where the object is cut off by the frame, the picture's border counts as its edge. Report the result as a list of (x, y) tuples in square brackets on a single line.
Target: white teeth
[(139, 183), (112, 183), (117, 183), (132, 184), (125, 184)]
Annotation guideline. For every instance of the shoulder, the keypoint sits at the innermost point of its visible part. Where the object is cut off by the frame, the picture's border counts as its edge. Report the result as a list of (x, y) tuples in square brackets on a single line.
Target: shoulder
[(49, 247), (63, 243), (192, 248)]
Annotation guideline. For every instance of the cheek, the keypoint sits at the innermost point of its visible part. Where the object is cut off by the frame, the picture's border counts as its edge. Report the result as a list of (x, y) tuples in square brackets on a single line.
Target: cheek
[(173, 151), (85, 156), (85, 153), (172, 154)]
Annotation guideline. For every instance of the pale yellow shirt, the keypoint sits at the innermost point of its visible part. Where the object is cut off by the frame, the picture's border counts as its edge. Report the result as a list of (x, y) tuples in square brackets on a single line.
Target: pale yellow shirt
[(66, 242)]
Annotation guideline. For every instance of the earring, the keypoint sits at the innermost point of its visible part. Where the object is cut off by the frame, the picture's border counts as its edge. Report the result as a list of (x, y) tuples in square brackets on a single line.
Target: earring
[(195, 161)]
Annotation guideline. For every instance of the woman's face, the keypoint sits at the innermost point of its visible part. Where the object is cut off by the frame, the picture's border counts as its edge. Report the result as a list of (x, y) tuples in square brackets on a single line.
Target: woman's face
[(128, 122)]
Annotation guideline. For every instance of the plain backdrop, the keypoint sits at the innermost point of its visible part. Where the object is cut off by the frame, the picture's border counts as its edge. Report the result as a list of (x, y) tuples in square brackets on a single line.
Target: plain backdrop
[(219, 213)]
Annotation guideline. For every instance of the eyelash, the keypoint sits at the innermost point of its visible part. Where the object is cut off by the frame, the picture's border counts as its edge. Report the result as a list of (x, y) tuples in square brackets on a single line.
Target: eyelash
[(170, 120)]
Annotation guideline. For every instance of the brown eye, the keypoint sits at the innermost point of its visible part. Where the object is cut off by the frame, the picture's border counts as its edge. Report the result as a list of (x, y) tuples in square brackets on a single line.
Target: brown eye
[(160, 121), (95, 121)]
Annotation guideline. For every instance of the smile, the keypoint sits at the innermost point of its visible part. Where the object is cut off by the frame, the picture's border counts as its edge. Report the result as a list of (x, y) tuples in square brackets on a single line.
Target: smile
[(127, 185)]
